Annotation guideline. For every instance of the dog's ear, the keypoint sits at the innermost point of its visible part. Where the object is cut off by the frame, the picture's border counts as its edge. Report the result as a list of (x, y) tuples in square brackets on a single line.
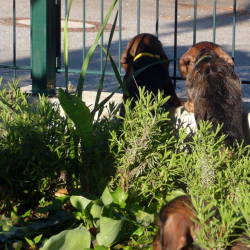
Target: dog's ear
[(128, 54), (176, 232), (186, 62), (223, 55)]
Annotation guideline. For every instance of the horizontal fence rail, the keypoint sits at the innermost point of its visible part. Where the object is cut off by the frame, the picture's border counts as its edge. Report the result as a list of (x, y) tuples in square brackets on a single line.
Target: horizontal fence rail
[(45, 19)]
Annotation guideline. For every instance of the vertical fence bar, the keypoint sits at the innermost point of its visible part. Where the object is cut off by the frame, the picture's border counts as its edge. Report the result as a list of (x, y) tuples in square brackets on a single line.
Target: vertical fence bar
[(138, 16), (83, 30), (234, 27), (157, 18), (14, 38), (195, 21), (120, 35), (101, 36), (214, 22), (58, 34), (175, 38)]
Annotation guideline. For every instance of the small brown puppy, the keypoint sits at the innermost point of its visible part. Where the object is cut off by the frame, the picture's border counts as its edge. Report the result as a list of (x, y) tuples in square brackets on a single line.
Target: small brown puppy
[(141, 51), (214, 94), (186, 62), (176, 230)]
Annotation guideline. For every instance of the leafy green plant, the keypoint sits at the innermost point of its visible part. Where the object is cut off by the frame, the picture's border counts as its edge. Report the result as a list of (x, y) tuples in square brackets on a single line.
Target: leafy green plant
[(217, 178), (34, 242), (145, 150), (213, 170), (34, 147), (109, 220)]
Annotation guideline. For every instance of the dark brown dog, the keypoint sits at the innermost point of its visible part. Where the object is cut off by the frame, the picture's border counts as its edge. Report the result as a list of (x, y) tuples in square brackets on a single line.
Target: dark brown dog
[(214, 94), (187, 61), (141, 51), (175, 227), (176, 230)]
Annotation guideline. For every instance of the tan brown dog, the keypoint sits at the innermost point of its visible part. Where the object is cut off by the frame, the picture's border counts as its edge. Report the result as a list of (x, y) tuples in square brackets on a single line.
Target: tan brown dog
[(214, 94), (141, 51), (175, 227), (176, 230), (186, 62)]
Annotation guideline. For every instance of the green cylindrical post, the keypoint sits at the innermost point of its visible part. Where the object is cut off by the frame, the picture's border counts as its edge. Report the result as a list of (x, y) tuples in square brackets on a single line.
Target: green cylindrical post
[(44, 44)]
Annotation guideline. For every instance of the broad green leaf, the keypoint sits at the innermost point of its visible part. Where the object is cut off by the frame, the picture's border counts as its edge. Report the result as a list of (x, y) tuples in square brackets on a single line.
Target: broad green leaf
[(144, 218), (82, 203), (53, 219), (79, 202), (10, 232), (139, 231), (78, 238), (37, 238), (30, 242), (109, 230), (55, 206), (17, 245), (119, 197), (80, 114), (107, 197)]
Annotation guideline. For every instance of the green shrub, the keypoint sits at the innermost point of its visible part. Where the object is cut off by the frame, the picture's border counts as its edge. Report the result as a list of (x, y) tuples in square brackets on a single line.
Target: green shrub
[(34, 146), (147, 151)]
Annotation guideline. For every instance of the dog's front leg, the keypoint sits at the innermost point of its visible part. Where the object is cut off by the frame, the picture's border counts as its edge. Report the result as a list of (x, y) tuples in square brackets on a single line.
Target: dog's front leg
[(189, 106)]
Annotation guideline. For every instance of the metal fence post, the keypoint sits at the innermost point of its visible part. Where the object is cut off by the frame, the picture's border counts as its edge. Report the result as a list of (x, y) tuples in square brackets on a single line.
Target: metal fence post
[(45, 44)]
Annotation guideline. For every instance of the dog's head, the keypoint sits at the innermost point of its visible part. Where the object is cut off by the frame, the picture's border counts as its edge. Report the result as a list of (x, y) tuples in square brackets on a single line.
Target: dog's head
[(187, 61), (142, 43), (175, 227)]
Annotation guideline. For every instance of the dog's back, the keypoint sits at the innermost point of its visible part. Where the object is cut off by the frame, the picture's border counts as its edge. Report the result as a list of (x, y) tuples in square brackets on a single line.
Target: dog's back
[(154, 78), (216, 92), (177, 231)]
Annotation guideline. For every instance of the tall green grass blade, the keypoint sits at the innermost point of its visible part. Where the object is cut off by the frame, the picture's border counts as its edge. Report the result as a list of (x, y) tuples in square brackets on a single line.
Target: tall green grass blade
[(83, 73), (91, 51), (117, 74), (101, 104), (99, 90), (105, 21), (66, 45)]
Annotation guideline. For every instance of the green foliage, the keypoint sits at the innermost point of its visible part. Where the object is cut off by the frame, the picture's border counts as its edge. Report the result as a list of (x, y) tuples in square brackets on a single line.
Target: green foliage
[(112, 219), (213, 170), (78, 238), (146, 150), (218, 180), (35, 241), (141, 157), (34, 146)]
